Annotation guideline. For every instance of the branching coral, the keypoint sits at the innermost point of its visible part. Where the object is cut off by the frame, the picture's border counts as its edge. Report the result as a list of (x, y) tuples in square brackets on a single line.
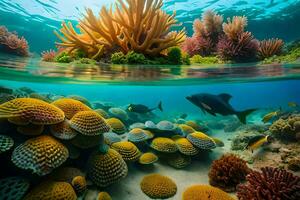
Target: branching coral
[(269, 184), (139, 26), (269, 48), (235, 27), (48, 56), (227, 172)]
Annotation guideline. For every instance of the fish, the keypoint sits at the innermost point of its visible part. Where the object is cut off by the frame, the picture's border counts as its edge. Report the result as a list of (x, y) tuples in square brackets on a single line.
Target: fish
[(183, 116), (292, 104), (142, 109), (218, 104), (270, 116), (258, 141)]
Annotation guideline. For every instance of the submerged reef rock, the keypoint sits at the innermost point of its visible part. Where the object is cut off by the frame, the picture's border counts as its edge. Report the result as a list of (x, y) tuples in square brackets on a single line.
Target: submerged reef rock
[(178, 160), (70, 106), (269, 48), (269, 184), (186, 147), (41, 155), (22, 111), (12, 43), (148, 158), (103, 196), (128, 150), (79, 184), (13, 188), (6, 143), (157, 186), (107, 168), (201, 140), (287, 128), (89, 123), (165, 145), (63, 130), (116, 125), (205, 192), (52, 190), (144, 30), (227, 172)]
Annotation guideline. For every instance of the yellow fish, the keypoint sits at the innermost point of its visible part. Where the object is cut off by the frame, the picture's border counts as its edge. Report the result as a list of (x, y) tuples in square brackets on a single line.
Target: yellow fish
[(292, 104), (257, 141), (269, 116)]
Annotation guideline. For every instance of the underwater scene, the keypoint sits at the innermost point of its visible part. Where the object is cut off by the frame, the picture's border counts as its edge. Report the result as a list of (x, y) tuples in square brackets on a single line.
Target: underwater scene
[(149, 99)]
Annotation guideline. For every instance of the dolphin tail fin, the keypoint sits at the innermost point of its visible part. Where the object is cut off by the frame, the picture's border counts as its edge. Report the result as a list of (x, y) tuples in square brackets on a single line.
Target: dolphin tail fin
[(160, 106), (243, 115)]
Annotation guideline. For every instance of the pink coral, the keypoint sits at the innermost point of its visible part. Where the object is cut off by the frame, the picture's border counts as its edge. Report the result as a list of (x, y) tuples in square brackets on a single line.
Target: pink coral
[(49, 55)]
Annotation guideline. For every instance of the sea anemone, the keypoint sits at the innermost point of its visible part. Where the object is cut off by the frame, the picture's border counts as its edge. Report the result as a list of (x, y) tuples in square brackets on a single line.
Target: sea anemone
[(48, 56), (157, 186), (269, 184), (227, 172), (269, 48)]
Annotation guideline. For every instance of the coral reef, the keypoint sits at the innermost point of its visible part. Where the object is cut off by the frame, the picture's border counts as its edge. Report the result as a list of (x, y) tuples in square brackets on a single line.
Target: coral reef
[(270, 183), (127, 150), (186, 129), (157, 186), (291, 57), (205, 60), (104, 196), (6, 143), (205, 192), (106, 169), (186, 147), (13, 188), (116, 125), (163, 144), (227, 172), (137, 135), (201, 140), (269, 48), (148, 158), (12, 43), (52, 190), (102, 112), (48, 56)]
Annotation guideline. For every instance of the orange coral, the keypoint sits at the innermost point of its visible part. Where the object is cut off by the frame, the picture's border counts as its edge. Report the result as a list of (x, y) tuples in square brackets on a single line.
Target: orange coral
[(227, 172), (205, 192), (48, 56), (271, 47)]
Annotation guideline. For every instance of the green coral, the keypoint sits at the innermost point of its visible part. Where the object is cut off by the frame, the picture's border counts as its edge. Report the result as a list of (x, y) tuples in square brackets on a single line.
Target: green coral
[(79, 54), (174, 56), (85, 61), (118, 58), (205, 60), (135, 58), (63, 58), (290, 57)]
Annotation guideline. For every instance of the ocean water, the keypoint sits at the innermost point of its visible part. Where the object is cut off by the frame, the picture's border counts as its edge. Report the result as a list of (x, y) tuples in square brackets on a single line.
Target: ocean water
[(264, 88)]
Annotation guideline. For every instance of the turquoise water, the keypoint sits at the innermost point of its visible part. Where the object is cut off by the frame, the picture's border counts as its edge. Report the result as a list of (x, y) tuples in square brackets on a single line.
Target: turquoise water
[(267, 88)]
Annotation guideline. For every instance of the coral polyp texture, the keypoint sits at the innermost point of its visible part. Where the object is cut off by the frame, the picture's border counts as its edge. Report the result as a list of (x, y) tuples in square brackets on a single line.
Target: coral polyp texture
[(157, 186), (130, 25), (63, 130), (12, 43), (103, 196), (269, 48), (227, 172), (52, 190), (6, 143), (70, 106), (102, 112), (79, 184), (138, 135), (107, 168), (201, 140), (41, 155), (205, 192), (271, 183), (13, 188), (23, 111), (117, 126), (186, 147), (165, 145), (89, 123), (128, 150), (148, 158)]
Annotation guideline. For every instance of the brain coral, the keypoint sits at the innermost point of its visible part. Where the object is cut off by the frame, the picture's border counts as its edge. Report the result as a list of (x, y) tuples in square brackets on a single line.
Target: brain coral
[(22, 111), (148, 158), (13, 188), (128, 150), (205, 192), (63, 130), (31, 129), (163, 144), (270, 184), (70, 106), (116, 125), (51, 190), (106, 169), (41, 155), (89, 123), (79, 184), (6, 143), (227, 172), (186, 147), (201, 140), (157, 186), (104, 196), (137, 135)]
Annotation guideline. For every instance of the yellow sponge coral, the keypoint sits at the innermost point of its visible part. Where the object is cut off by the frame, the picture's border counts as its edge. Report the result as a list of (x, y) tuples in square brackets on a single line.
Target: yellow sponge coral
[(163, 144), (104, 196), (128, 150), (201, 140), (148, 158), (157, 186), (205, 192), (116, 125), (79, 184), (70, 106), (186, 129), (186, 147)]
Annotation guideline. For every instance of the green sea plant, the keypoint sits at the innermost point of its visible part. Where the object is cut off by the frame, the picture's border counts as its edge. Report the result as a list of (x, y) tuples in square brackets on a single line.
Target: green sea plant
[(174, 55), (135, 58), (118, 58), (205, 60), (85, 61), (289, 57), (63, 57)]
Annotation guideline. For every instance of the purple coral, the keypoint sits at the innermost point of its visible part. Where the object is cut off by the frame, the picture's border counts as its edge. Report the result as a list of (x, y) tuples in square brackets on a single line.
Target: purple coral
[(197, 45), (270, 184)]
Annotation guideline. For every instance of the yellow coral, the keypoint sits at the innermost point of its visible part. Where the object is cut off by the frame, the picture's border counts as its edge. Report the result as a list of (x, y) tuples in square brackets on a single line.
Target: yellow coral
[(107, 168), (162, 144), (205, 192), (104, 196), (194, 125), (22, 111), (63, 130), (186, 129), (128, 150), (41, 155), (201, 140), (138, 135), (79, 184), (89, 123), (157, 186), (116, 125), (65, 174), (85, 142), (186, 147), (148, 158), (31, 129), (70, 106), (51, 190)]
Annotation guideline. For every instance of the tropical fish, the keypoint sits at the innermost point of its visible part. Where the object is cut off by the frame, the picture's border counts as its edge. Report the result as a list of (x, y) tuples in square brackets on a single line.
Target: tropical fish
[(218, 104), (270, 116), (292, 104), (258, 141), (142, 109)]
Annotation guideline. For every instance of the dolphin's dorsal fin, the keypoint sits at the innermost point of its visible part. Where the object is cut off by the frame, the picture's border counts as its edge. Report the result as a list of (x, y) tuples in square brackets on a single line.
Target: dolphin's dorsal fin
[(226, 97)]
